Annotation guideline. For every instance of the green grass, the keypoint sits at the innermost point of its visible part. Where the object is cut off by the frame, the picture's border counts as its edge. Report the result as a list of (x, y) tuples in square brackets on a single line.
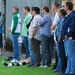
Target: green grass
[(23, 70)]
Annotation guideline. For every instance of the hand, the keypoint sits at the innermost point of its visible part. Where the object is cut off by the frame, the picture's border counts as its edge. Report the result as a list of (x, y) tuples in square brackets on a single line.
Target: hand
[(59, 39), (66, 38), (9, 29)]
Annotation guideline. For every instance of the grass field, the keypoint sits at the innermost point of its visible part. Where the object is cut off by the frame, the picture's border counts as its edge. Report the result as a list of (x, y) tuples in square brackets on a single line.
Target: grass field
[(23, 70)]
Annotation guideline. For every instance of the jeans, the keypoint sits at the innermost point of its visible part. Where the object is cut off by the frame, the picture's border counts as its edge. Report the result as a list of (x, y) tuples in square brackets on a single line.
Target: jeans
[(26, 47), (36, 50), (32, 59), (45, 42), (70, 53), (51, 48), (16, 46), (1, 42), (61, 57)]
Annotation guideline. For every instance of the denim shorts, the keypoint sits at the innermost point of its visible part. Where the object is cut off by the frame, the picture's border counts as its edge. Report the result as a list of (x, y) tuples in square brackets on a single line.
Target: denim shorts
[(1, 43)]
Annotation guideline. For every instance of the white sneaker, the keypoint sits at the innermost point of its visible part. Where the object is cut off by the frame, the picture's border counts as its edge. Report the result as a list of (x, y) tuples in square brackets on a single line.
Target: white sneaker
[(41, 66), (45, 66), (13, 61), (0, 53)]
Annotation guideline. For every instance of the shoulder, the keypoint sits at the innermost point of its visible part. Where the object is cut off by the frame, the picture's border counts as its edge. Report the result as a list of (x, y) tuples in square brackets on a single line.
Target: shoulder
[(63, 19), (37, 17)]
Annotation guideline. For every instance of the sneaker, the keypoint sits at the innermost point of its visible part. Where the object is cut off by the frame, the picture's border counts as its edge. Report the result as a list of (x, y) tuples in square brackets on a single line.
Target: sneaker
[(41, 66), (45, 66), (0, 53), (13, 61)]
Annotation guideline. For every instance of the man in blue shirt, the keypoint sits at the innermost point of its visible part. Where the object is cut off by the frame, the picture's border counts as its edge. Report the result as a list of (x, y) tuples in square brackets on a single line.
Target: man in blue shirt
[(68, 34), (1, 30), (60, 44), (45, 31)]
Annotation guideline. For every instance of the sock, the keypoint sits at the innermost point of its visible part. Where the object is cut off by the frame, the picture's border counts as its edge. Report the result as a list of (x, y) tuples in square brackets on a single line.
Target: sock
[(4, 63), (23, 63), (10, 64)]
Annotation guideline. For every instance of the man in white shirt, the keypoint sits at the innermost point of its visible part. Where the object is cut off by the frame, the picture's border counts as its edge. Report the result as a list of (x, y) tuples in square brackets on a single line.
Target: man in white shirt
[(55, 8)]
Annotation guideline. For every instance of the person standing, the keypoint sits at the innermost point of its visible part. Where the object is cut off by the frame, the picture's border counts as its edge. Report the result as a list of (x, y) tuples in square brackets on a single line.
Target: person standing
[(45, 31), (35, 35), (55, 8), (1, 31), (24, 31), (15, 30), (60, 44), (68, 35)]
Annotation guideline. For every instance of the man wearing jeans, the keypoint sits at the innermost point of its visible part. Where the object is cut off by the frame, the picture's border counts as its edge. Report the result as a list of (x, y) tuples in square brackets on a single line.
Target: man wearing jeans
[(15, 30), (35, 35), (27, 19), (68, 35), (45, 25)]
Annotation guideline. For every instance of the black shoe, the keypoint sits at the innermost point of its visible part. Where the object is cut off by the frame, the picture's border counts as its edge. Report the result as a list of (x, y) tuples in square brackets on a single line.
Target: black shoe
[(36, 65), (30, 65), (4, 63), (60, 73)]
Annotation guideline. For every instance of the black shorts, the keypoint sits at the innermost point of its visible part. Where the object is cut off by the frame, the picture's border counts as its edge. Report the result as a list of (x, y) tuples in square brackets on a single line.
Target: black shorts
[(1, 43)]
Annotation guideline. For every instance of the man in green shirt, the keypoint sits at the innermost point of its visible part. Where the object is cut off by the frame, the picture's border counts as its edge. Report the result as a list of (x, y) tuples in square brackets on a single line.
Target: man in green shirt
[(24, 32), (15, 31)]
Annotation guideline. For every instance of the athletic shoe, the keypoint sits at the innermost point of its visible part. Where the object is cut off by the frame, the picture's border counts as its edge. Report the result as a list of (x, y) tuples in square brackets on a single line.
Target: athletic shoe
[(45, 66), (13, 61)]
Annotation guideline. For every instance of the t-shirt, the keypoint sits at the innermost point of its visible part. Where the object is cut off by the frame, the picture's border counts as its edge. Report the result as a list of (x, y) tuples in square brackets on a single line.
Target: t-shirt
[(1, 27), (26, 21), (56, 19), (55, 22)]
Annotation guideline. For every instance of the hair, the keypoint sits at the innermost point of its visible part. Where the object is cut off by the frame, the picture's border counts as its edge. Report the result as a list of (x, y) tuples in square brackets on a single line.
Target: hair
[(69, 5), (16, 8), (36, 9), (56, 4), (63, 12), (27, 8), (46, 8), (0, 14)]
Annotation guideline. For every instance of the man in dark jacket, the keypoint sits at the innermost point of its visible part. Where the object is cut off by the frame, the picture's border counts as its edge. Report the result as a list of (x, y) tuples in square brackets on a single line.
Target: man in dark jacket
[(68, 35)]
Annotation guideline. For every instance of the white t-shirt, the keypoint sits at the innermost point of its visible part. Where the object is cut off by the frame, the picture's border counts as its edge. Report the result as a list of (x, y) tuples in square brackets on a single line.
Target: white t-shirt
[(20, 41), (55, 22)]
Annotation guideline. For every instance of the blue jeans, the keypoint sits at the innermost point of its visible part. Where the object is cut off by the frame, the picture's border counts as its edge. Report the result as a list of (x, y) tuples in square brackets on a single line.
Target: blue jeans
[(45, 42), (16, 46), (32, 60), (61, 57), (70, 53), (26, 47)]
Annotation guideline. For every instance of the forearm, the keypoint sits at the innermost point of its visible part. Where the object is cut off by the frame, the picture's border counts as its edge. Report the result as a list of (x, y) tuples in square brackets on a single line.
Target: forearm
[(53, 27), (33, 32)]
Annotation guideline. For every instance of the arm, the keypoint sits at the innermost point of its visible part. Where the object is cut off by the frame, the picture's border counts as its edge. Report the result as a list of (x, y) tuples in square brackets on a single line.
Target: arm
[(55, 22), (30, 18), (33, 32), (53, 27), (0, 23), (43, 21), (72, 27), (15, 23)]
